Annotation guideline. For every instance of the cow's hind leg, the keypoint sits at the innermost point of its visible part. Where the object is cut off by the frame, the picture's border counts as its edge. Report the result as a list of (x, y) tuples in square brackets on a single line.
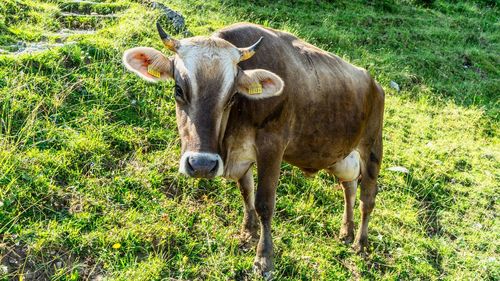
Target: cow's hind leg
[(249, 228), (367, 203), (348, 172), (371, 159)]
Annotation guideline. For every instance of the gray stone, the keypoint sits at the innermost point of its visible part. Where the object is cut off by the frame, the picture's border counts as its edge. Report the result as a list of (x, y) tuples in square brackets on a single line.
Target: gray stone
[(92, 15), (394, 85), (174, 17), (398, 169), (4, 269)]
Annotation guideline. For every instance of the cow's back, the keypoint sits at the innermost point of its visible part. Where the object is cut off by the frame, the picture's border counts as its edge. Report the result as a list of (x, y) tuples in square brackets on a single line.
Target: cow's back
[(306, 68)]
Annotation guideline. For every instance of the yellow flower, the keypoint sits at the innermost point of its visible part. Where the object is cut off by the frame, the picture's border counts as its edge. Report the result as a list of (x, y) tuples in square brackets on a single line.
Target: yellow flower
[(185, 259), (116, 246)]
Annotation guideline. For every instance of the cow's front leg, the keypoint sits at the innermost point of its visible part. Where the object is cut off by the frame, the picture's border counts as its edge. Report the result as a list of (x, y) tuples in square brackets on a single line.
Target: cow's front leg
[(249, 227), (268, 167)]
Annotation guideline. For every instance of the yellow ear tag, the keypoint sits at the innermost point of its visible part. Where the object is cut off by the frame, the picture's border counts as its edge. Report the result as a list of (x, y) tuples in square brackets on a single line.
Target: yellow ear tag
[(255, 89), (153, 71)]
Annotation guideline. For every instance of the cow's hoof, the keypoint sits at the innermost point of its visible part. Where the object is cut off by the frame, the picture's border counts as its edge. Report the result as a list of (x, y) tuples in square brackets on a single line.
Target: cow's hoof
[(263, 267), (346, 235), (247, 241), (361, 245)]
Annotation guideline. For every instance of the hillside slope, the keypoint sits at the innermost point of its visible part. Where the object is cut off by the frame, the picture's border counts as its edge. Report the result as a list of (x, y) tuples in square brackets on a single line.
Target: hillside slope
[(88, 152)]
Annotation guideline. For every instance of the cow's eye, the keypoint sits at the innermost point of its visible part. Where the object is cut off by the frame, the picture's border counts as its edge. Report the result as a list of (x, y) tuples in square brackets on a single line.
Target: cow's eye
[(179, 95)]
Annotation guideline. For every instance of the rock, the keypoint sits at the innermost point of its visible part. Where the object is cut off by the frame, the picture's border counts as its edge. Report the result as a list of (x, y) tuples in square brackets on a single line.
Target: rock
[(174, 17), (399, 169), (489, 156), (394, 85), (438, 162), (85, 2), (91, 15), (4, 270), (28, 275), (37, 47), (13, 261)]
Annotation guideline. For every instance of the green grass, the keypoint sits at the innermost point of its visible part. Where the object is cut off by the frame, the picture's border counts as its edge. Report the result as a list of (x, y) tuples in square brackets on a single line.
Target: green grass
[(89, 152)]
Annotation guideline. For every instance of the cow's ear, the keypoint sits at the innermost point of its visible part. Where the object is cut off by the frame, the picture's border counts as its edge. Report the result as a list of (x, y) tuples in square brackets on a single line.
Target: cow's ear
[(259, 84), (150, 64)]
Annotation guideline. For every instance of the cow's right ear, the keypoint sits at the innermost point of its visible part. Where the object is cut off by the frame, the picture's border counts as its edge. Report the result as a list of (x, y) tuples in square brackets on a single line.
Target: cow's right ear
[(148, 63)]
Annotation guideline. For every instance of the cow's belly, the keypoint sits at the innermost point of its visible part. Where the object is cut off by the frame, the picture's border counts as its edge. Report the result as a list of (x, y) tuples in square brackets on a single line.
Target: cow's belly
[(324, 136), (241, 156), (317, 153), (312, 165), (339, 164)]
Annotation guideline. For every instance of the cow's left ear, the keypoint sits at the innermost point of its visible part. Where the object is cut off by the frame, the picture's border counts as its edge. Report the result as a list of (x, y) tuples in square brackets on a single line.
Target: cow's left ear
[(259, 84)]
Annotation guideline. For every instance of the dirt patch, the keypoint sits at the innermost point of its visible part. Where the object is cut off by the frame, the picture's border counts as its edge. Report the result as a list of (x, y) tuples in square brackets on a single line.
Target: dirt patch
[(25, 48), (17, 259), (88, 7), (76, 21)]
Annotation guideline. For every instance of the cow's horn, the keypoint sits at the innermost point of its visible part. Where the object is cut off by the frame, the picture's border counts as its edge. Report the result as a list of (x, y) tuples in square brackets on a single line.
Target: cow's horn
[(169, 42), (248, 52)]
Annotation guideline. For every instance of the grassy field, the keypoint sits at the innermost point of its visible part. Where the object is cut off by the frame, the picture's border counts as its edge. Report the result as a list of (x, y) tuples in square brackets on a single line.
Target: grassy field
[(89, 188)]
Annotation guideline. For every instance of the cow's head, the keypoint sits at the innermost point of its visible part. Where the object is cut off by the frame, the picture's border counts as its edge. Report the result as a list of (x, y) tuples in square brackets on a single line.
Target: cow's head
[(207, 78)]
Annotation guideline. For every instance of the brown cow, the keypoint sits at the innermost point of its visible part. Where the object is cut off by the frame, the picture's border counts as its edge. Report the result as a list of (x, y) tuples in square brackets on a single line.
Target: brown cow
[(291, 101)]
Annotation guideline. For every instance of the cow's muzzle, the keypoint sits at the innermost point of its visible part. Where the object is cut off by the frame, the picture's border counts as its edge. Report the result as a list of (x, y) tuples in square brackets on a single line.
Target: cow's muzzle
[(201, 164)]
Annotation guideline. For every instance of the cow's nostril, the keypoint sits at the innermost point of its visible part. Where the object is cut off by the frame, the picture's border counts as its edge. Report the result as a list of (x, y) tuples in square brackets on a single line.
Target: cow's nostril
[(214, 169), (189, 167)]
